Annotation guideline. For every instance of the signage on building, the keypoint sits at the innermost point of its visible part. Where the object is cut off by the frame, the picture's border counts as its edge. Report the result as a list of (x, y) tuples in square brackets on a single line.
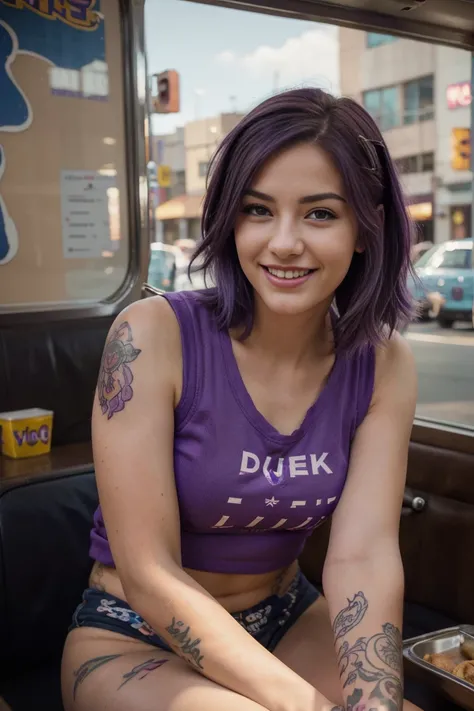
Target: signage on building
[(461, 149), (459, 94), (164, 176)]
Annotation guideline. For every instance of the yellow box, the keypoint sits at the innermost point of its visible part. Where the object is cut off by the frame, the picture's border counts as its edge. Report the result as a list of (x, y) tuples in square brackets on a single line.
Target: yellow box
[(26, 433)]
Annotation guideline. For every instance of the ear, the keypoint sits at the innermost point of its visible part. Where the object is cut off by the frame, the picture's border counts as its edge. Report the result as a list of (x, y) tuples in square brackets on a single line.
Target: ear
[(381, 214)]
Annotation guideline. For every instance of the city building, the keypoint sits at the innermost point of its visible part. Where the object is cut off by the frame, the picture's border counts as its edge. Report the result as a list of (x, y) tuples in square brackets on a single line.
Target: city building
[(419, 93), (187, 154)]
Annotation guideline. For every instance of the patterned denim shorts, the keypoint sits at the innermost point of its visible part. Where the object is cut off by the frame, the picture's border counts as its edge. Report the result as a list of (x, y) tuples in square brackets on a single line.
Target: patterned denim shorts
[(267, 621)]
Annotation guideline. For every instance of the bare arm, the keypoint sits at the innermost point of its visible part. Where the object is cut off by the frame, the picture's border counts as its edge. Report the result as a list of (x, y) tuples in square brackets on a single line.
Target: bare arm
[(363, 573), (133, 431)]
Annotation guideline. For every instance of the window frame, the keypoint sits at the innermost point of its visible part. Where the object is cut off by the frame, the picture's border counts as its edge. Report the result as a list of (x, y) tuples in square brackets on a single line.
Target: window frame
[(136, 115), (430, 110), (380, 92)]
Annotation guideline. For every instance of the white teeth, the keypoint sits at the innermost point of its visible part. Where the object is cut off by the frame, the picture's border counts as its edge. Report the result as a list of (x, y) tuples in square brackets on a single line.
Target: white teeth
[(288, 273)]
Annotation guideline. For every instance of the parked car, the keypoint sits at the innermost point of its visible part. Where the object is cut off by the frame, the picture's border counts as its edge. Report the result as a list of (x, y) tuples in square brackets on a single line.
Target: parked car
[(162, 267), (419, 249), (446, 276)]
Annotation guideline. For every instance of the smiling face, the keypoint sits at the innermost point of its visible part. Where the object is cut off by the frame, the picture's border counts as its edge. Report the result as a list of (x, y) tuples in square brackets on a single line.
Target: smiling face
[(296, 235)]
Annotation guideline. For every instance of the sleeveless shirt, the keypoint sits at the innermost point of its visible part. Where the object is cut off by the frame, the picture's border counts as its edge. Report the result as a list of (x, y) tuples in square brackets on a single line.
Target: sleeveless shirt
[(249, 497)]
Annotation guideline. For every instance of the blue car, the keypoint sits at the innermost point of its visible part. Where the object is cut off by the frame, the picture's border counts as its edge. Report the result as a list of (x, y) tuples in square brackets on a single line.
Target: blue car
[(446, 278)]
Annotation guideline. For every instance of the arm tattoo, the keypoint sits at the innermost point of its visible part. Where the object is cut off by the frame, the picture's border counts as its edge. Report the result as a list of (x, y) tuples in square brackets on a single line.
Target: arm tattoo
[(350, 616), (353, 702), (114, 386), (140, 671), (376, 659), (188, 647)]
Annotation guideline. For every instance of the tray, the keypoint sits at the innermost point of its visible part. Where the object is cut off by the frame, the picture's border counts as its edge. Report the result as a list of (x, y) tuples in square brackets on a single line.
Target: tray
[(458, 690)]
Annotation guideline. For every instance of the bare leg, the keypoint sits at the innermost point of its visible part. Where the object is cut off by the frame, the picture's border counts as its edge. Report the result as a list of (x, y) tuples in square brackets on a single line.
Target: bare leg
[(105, 671), (308, 649)]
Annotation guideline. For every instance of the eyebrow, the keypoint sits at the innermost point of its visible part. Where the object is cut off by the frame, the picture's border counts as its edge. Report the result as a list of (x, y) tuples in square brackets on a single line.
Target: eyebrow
[(307, 199)]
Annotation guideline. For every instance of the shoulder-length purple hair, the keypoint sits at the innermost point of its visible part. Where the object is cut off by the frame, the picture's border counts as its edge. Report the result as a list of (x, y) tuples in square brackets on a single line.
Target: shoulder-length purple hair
[(373, 299)]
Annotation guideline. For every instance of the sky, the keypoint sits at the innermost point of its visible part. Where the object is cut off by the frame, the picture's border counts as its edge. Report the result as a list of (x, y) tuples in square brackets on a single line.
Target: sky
[(230, 60)]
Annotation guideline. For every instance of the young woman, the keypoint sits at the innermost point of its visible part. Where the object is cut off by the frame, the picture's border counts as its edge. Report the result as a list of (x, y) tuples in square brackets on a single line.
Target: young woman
[(229, 423)]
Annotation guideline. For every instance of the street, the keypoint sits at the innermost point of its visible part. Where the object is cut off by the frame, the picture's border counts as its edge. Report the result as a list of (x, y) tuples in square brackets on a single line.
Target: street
[(445, 360)]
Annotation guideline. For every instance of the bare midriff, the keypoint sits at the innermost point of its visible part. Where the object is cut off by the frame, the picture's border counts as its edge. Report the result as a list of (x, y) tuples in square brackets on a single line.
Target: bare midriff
[(234, 592)]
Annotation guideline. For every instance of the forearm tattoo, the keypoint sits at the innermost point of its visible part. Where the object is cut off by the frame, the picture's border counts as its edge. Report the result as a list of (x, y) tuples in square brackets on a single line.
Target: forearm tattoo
[(139, 671), (114, 387), (188, 647), (376, 659)]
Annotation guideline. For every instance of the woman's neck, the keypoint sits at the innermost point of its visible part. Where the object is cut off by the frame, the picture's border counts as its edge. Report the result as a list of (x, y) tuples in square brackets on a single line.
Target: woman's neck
[(292, 338)]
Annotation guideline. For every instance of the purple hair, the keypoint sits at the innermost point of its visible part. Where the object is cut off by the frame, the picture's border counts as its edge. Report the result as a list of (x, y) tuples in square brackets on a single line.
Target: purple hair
[(373, 298)]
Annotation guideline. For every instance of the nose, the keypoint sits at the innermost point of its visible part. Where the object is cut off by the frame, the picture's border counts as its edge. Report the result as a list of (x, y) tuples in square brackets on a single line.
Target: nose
[(286, 240)]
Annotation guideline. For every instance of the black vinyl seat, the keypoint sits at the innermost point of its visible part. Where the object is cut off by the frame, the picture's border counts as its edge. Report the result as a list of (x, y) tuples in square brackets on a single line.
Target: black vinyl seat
[(44, 567)]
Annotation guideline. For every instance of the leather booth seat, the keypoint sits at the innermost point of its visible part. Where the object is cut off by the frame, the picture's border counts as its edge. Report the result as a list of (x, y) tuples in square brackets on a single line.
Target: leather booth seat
[(44, 567)]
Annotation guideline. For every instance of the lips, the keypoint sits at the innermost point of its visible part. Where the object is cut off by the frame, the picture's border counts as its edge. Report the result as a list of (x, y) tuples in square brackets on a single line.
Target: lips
[(288, 277)]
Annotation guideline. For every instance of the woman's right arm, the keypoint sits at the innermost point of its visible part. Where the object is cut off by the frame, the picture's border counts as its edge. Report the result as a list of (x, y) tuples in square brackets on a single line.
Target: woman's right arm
[(133, 432)]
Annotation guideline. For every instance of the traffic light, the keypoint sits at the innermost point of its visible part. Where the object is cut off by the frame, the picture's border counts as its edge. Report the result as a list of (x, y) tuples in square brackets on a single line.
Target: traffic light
[(461, 149), (165, 92)]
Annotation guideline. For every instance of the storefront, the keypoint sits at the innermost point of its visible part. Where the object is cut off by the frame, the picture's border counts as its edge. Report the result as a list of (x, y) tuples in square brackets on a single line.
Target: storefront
[(460, 221), (179, 218)]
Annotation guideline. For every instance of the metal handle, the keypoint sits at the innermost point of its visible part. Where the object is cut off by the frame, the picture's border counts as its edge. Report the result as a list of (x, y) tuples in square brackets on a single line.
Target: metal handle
[(412, 503)]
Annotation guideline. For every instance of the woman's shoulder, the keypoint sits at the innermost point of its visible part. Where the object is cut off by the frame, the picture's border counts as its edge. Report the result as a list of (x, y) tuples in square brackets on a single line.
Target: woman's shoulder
[(165, 323), (158, 314), (149, 325), (395, 367)]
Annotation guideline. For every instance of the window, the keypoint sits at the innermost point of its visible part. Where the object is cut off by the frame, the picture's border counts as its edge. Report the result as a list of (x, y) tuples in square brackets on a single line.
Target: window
[(425, 258), (422, 163), (203, 168), (427, 162), (376, 39), (451, 259), (418, 100), (228, 69), (384, 106), (63, 168)]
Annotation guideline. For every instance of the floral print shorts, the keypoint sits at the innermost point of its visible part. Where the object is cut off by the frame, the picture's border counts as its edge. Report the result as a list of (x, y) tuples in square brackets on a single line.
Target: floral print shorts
[(267, 621)]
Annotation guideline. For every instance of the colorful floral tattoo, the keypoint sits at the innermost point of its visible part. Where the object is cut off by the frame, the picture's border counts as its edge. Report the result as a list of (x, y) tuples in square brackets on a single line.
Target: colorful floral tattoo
[(114, 386)]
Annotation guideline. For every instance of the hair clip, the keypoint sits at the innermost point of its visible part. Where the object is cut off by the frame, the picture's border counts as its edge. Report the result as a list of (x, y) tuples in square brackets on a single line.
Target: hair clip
[(370, 148)]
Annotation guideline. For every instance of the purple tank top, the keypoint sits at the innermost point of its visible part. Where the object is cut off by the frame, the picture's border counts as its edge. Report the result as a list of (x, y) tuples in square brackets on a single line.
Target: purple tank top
[(249, 496)]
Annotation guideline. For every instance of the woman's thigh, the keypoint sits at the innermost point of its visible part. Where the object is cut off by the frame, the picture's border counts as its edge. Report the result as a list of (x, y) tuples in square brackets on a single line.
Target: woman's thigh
[(308, 649), (102, 670)]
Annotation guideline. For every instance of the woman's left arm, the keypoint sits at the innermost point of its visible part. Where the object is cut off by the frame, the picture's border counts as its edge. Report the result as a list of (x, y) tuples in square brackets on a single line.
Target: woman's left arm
[(363, 572)]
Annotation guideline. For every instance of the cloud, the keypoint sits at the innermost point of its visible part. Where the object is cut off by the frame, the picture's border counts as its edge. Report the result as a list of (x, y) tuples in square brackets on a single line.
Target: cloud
[(312, 57), (226, 57)]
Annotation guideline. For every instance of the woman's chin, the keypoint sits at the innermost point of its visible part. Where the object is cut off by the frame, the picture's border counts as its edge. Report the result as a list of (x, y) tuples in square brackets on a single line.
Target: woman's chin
[(288, 304)]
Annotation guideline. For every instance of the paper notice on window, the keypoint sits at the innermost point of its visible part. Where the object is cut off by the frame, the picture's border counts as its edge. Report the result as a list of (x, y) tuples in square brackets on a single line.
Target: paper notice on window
[(89, 212)]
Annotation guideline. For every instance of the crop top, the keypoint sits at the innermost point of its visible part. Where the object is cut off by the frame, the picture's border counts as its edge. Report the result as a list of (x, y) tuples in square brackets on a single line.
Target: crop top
[(249, 496)]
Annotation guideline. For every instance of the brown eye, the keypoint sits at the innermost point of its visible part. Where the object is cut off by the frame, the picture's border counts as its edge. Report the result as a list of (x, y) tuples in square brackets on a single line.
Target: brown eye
[(256, 210), (321, 214)]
